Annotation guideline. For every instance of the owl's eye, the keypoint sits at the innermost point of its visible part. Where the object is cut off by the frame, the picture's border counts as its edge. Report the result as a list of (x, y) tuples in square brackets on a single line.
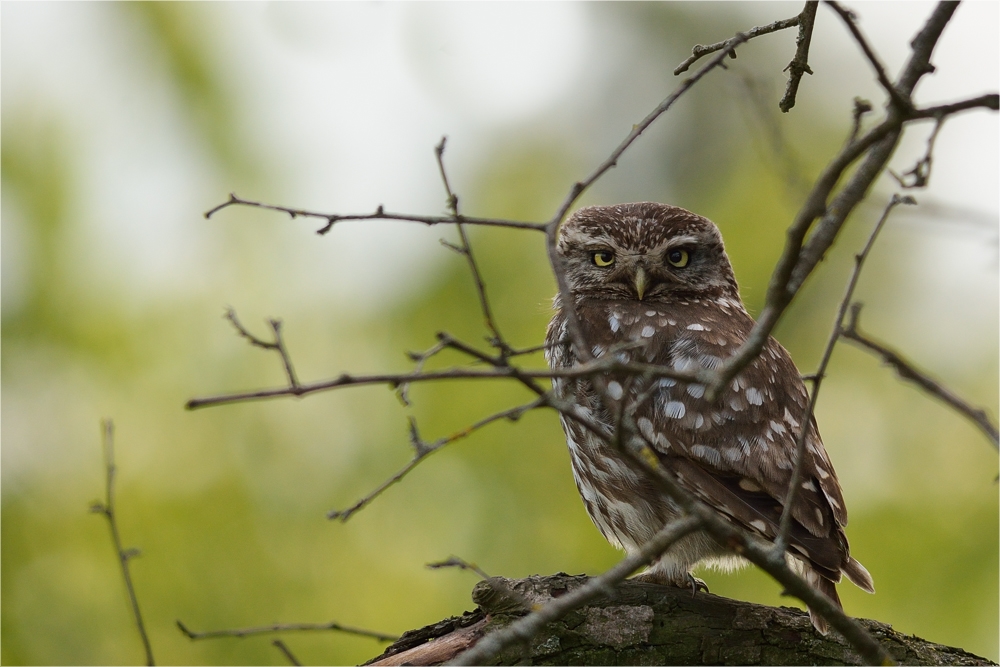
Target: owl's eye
[(678, 258), (603, 258)]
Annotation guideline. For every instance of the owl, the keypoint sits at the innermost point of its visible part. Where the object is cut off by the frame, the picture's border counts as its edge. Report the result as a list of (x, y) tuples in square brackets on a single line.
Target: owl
[(652, 283)]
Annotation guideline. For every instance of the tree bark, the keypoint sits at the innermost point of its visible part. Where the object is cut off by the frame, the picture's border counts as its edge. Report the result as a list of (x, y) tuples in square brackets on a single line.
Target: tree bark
[(647, 624)]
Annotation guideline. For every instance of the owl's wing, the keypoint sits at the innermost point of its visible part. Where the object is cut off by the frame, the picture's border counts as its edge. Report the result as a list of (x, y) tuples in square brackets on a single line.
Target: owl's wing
[(737, 453)]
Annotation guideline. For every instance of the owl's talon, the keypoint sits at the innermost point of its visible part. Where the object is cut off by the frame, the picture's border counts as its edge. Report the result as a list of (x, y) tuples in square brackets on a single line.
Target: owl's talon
[(696, 584)]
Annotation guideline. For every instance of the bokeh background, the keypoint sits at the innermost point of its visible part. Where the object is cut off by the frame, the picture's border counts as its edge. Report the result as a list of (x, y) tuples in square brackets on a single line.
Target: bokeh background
[(123, 123)]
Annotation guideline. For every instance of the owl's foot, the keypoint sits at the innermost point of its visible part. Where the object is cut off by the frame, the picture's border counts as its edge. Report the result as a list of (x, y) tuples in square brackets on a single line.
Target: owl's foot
[(686, 580), (696, 584)]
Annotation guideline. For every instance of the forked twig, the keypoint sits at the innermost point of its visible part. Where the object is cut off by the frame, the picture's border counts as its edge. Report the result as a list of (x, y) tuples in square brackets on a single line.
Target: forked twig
[(107, 509), (423, 449), (285, 627), (699, 51), (278, 344)]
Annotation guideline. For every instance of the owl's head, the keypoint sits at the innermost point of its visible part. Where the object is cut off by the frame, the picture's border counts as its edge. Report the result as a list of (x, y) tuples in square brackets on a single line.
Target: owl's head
[(645, 251)]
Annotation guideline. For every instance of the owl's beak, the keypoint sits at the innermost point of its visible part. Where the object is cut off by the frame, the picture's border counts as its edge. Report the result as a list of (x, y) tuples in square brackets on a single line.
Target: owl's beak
[(640, 282)]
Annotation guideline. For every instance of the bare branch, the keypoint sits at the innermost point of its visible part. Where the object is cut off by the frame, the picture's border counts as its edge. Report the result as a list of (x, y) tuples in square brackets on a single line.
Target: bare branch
[(525, 628), (107, 509), (799, 64), (280, 645), (278, 344), (908, 371), (849, 19), (592, 369), (379, 214), (799, 258), (918, 176), (496, 340), (423, 449), (785, 524), (455, 561), (285, 627), (989, 101), (699, 51)]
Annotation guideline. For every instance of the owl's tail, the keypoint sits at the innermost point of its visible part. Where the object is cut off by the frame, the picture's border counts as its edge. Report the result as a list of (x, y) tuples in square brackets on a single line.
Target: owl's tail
[(829, 589)]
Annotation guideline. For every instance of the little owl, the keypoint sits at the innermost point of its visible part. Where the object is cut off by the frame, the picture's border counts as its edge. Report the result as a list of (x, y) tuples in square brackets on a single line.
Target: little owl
[(652, 283)]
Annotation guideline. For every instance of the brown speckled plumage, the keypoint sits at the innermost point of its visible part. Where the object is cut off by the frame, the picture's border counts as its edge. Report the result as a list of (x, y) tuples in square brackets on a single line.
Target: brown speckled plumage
[(736, 453)]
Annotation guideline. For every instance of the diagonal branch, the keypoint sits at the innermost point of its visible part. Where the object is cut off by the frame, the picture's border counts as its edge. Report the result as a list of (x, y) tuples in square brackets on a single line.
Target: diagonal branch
[(785, 524), (699, 51), (424, 449), (848, 18), (522, 630), (908, 371)]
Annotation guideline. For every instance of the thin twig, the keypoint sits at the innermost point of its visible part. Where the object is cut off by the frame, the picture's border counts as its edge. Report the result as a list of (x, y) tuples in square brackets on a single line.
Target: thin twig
[(799, 64), (286, 627), (424, 449), (107, 509), (785, 523), (379, 214), (799, 257), (591, 369), (522, 630), (699, 51), (278, 345), (286, 651), (848, 18), (455, 561), (921, 172), (496, 582), (496, 340), (908, 371)]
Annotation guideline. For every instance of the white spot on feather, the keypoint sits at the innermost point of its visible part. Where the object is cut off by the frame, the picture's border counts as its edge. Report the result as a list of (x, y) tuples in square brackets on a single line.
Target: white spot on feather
[(614, 322), (697, 327), (754, 397), (650, 313), (614, 390), (696, 390), (706, 454), (648, 331), (759, 525), (674, 409)]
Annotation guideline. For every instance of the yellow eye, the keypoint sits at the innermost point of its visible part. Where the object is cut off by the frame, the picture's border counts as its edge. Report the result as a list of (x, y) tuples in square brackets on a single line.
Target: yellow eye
[(603, 258), (678, 258)]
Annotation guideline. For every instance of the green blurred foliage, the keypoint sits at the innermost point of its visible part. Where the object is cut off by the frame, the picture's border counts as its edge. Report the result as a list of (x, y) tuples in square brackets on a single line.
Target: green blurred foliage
[(227, 504)]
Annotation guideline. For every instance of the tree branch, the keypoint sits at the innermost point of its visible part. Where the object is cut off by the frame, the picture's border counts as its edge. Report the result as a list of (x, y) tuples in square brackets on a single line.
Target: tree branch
[(487, 648), (908, 371), (799, 64), (699, 51), (107, 509), (285, 627), (379, 214), (785, 524)]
